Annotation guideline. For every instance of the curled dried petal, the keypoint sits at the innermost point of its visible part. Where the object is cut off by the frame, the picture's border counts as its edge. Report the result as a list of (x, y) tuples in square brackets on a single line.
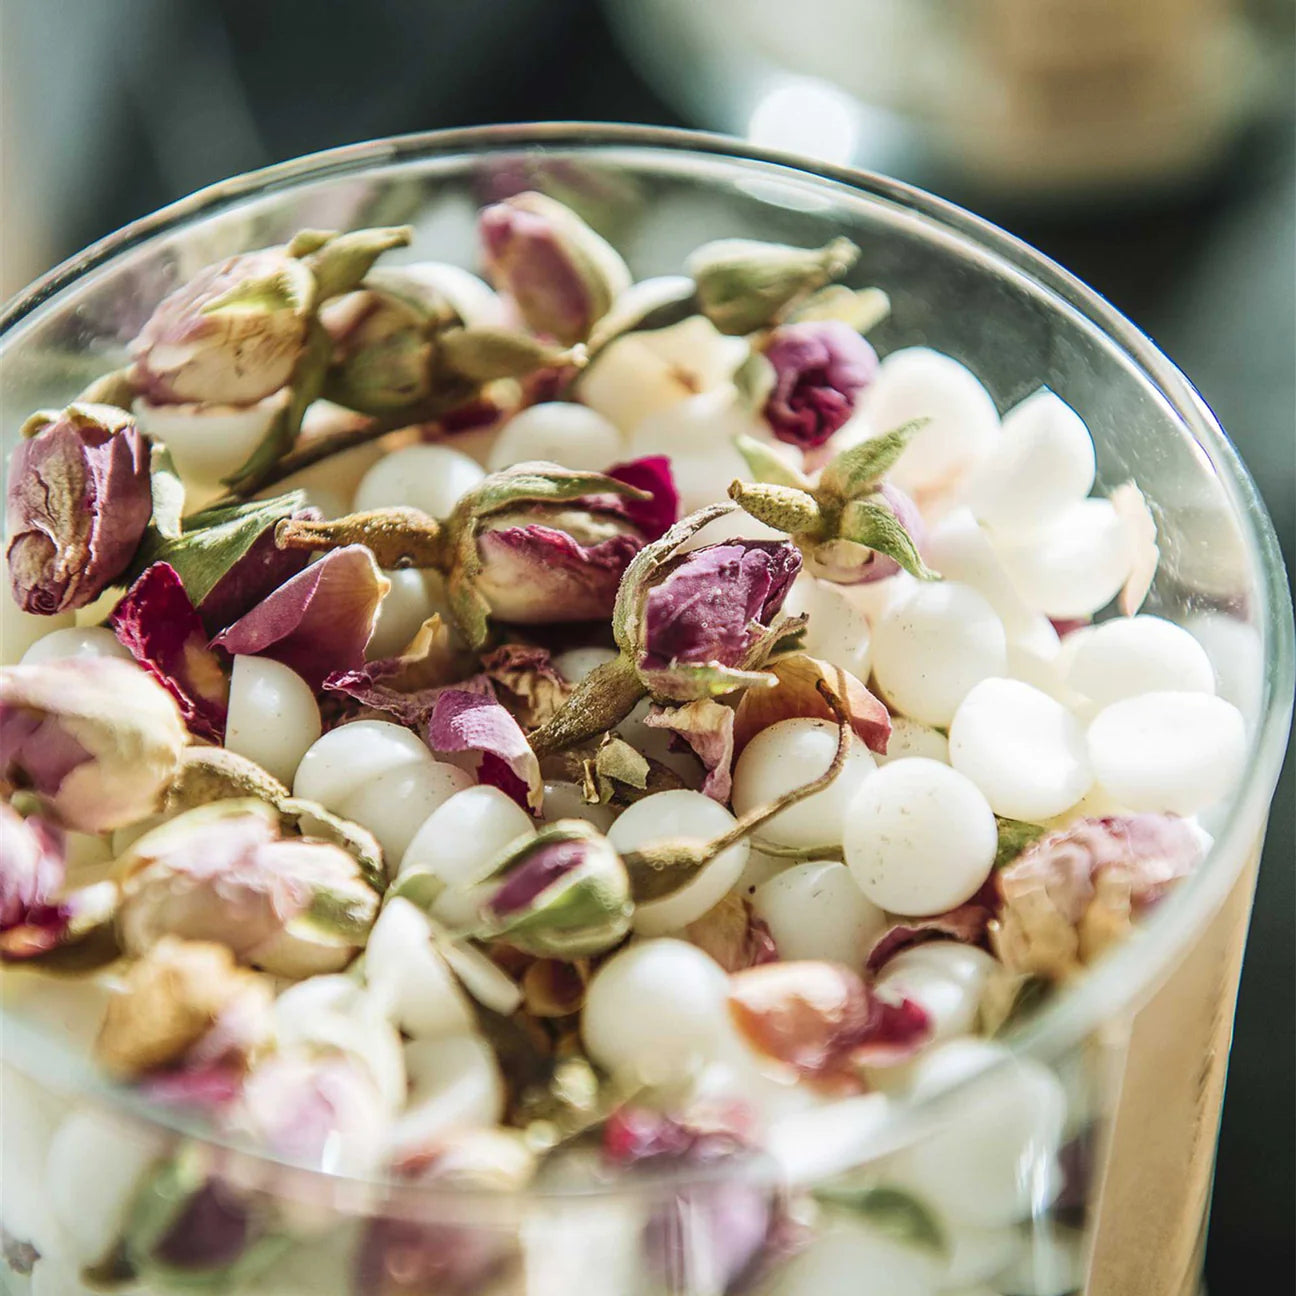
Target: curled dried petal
[(463, 720), (967, 923), (707, 727)]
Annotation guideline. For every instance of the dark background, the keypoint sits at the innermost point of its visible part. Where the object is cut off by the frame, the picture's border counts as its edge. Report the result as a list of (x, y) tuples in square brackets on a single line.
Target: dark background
[(189, 91)]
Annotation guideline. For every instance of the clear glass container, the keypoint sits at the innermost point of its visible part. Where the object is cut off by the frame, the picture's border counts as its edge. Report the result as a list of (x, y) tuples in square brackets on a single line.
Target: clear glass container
[(1078, 1157)]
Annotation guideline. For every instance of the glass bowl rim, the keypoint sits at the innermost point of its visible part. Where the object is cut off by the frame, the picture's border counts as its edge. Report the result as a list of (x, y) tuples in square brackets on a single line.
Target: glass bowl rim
[(1118, 982)]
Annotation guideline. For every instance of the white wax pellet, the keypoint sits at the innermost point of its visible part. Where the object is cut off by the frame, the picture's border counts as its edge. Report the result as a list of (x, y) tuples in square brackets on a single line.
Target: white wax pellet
[(1034, 657), (338, 763), (680, 813), (876, 598), (29, 1117), (975, 1255), (19, 629), (947, 978), (786, 756), (415, 594), (815, 911), (1043, 462), (455, 1083), (76, 641), (654, 1009), (917, 382), (933, 646), (409, 978), (207, 444), (574, 664), (1050, 1261), (273, 716), (959, 548), (838, 630), (567, 801), (1127, 656), (851, 1258), (737, 525), (395, 805), (1022, 748), (1073, 566), (919, 837), (433, 478), (330, 485), (640, 374), (558, 432), (1177, 752), (460, 840), (1235, 653), (68, 1009), (909, 738), (759, 869), (991, 1161), (91, 1207)]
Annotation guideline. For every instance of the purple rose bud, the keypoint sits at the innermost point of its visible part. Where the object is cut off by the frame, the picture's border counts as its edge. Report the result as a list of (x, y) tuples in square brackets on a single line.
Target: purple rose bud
[(561, 274), (98, 739), (232, 335), (562, 894), (222, 873), (79, 500), (31, 875), (820, 370)]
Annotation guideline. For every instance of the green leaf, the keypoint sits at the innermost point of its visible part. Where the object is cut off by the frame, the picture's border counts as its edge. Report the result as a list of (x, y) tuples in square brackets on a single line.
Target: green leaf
[(168, 493), (767, 465), (876, 527), (617, 760), (340, 262), (213, 541), (856, 471), (896, 1214), (502, 490), (1014, 836)]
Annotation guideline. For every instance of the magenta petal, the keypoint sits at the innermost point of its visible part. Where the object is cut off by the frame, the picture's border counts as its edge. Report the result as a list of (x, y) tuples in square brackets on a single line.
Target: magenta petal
[(967, 924), (820, 369), (317, 622), (655, 516), (467, 721), (261, 570), (158, 624), (32, 921)]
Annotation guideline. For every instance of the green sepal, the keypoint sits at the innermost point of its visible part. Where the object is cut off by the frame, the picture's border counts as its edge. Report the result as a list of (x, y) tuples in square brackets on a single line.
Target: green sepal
[(785, 508), (856, 471), (340, 262), (1015, 835), (861, 308), (896, 1214), (767, 465), (876, 527)]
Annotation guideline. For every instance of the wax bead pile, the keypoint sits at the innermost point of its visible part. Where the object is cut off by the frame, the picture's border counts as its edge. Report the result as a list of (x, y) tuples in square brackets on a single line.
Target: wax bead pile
[(544, 729)]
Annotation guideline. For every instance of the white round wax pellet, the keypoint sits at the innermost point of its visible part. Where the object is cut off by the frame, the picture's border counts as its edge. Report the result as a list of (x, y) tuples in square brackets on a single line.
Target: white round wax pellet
[(975, 1255), (337, 764), (919, 837), (933, 646), (395, 805), (1050, 1261), (433, 478), (574, 664), (959, 548), (1235, 653), (1022, 748), (786, 756), (947, 978), (1034, 657), (736, 525), (1073, 566), (1176, 752), (654, 1009), (409, 978), (1127, 656), (759, 869), (91, 1208), (909, 738), (680, 813), (917, 382), (19, 629), (1043, 461), (558, 432), (455, 1083), (838, 629), (564, 800), (816, 911), (69, 1009), (850, 1258), (991, 1161), (29, 1117), (207, 444), (273, 716), (76, 641), (876, 598), (415, 594)]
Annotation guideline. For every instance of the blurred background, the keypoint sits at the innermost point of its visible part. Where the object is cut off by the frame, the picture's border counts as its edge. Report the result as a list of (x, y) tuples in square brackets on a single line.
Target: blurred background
[(1148, 145)]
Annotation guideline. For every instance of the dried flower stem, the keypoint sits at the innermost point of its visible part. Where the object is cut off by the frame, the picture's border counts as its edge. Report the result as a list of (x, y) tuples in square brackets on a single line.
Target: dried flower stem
[(397, 537), (601, 700)]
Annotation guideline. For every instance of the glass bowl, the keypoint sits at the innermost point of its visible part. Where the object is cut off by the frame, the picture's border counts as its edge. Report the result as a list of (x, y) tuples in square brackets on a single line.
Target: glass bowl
[(1121, 1072)]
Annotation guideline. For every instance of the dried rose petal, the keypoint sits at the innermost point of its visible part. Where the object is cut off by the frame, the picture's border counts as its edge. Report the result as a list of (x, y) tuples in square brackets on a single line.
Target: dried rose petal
[(318, 621), (732, 934), (160, 626), (79, 501), (526, 681), (820, 370), (1141, 534), (823, 1021), (796, 694), (462, 720), (32, 920), (967, 923), (652, 473), (708, 728)]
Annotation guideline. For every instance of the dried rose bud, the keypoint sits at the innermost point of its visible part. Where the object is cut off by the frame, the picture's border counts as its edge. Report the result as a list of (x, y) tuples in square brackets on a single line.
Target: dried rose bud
[(561, 894), (1073, 893), (293, 907), (79, 500), (823, 1022), (170, 999), (31, 876), (853, 526), (818, 371), (563, 276), (98, 740)]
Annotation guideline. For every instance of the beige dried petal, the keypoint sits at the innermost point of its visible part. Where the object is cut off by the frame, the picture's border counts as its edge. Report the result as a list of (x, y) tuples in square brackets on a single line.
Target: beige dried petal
[(1032, 936), (171, 998), (1109, 917), (1141, 535), (553, 988)]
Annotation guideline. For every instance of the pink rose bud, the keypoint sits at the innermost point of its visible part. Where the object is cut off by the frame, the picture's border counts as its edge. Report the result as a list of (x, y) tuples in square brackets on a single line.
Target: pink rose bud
[(79, 500), (820, 369), (562, 275), (31, 876), (97, 739)]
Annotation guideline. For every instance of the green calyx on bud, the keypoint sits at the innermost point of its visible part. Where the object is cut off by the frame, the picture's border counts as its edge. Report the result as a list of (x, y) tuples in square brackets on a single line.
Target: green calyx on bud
[(873, 524), (857, 471), (339, 262), (482, 355), (783, 507), (861, 308), (744, 285)]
